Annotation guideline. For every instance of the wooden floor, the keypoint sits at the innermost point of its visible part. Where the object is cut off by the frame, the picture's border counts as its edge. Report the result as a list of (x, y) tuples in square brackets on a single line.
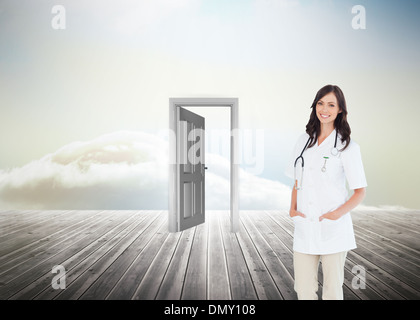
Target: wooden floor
[(131, 255)]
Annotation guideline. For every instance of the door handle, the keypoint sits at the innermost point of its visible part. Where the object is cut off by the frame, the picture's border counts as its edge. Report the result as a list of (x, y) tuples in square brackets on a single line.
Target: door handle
[(202, 169)]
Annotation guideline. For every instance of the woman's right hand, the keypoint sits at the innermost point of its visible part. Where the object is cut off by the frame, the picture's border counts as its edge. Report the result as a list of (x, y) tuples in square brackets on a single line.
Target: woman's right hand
[(295, 213)]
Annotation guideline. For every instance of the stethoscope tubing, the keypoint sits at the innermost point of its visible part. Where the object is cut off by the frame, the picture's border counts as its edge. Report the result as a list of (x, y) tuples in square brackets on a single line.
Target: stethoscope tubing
[(304, 148), (300, 156)]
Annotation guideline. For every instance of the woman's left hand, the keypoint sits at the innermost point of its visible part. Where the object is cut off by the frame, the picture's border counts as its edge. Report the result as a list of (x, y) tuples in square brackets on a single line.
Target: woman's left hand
[(332, 215)]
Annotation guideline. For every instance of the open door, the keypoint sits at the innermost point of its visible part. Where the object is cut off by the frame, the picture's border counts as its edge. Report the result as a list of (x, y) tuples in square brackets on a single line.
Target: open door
[(190, 169), (187, 174)]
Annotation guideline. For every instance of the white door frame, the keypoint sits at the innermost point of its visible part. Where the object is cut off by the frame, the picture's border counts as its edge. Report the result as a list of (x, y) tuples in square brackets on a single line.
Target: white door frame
[(174, 103)]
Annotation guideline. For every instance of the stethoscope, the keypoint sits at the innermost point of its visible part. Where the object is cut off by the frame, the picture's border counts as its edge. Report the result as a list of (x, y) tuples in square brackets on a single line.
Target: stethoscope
[(334, 152)]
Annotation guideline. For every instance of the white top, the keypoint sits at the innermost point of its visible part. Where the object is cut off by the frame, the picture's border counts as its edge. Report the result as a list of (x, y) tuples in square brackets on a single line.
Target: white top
[(323, 192)]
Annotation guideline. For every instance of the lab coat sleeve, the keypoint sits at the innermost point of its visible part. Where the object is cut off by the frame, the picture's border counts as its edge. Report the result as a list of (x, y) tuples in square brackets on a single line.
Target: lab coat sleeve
[(353, 166)]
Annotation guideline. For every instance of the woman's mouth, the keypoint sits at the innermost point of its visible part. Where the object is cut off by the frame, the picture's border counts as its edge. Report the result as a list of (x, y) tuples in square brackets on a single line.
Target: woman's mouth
[(324, 116)]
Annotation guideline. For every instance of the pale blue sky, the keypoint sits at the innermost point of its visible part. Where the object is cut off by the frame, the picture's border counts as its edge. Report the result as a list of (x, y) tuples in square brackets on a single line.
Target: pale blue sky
[(117, 63)]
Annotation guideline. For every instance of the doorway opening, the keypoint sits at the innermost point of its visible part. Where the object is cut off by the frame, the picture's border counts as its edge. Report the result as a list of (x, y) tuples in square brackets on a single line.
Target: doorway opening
[(186, 175)]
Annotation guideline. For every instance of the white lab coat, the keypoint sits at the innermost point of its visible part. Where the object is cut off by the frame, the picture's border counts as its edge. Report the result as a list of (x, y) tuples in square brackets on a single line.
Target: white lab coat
[(323, 192)]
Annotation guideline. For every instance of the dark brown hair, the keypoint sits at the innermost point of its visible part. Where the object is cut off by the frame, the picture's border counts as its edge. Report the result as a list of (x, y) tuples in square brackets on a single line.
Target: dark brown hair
[(313, 128)]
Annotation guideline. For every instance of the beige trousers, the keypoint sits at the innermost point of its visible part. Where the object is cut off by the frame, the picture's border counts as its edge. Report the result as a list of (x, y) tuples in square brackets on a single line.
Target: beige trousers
[(306, 275)]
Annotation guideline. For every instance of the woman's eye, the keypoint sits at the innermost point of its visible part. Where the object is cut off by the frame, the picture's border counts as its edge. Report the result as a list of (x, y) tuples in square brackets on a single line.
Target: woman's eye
[(331, 105)]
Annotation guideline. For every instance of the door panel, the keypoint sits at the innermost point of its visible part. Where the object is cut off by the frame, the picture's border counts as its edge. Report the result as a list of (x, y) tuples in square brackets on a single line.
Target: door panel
[(191, 169)]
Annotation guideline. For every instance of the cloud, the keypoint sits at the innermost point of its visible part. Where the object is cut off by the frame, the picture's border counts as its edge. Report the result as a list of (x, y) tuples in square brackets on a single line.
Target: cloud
[(255, 193), (123, 170), (116, 171)]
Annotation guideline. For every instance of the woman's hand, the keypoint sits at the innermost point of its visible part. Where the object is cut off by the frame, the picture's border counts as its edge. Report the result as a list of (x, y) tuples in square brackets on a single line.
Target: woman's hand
[(332, 215), (349, 205), (295, 213)]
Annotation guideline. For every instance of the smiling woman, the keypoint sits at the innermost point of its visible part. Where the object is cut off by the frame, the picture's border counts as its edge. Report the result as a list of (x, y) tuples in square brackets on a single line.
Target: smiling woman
[(321, 208), (329, 109)]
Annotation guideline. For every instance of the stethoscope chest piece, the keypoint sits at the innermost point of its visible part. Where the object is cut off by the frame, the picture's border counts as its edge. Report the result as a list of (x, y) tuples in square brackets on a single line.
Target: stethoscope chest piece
[(334, 151)]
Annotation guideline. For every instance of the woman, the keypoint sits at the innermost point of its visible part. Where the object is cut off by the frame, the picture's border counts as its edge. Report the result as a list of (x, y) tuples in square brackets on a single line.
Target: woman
[(324, 159)]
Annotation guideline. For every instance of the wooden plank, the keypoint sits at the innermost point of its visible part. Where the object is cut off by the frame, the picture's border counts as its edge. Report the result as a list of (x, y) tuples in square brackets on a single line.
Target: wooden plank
[(15, 218), (394, 278), (96, 249), (367, 293), (283, 226), (25, 227), (264, 285), (42, 286), (108, 278), (127, 285), (37, 263), (41, 247), (275, 234), (396, 220), (173, 282), (10, 215), (18, 220), (79, 263), (195, 286), (396, 249), (83, 282), (405, 219), (218, 280), (55, 257), (389, 284), (406, 272), (31, 233), (241, 285), (281, 276), (50, 240), (378, 284), (388, 230), (149, 286)]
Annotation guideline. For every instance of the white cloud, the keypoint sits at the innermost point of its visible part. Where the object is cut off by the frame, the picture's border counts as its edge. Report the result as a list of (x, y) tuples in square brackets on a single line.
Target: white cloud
[(123, 170), (254, 192)]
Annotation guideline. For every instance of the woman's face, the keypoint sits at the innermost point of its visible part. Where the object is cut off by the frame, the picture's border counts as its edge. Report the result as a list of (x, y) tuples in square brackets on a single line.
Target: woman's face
[(327, 109)]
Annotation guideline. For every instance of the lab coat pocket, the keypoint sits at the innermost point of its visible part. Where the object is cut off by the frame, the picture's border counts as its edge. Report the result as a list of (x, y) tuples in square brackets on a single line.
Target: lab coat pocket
[(333, 168), (331, 229), (297, 219), (301, 226)]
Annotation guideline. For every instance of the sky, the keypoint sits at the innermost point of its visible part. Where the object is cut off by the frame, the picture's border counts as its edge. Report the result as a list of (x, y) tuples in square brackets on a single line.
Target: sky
[(95, 94)]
